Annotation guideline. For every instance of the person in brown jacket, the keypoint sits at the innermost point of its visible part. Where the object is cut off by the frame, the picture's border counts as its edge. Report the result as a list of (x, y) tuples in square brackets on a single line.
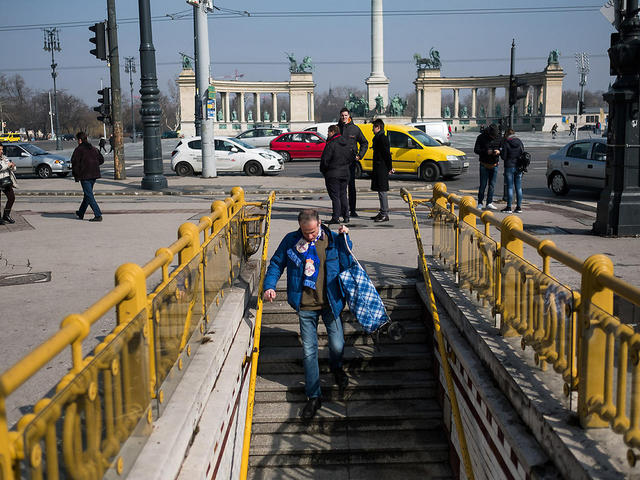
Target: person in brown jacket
[(85, 165)]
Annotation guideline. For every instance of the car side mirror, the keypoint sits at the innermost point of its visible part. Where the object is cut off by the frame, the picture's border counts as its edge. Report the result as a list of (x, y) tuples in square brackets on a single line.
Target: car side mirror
[(24, 154), (234, 150), (600, 157)]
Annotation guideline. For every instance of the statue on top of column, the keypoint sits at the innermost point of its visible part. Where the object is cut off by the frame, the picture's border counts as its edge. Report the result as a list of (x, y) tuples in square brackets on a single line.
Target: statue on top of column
[(306, 66), (186, 61), (431, 63), (553, 58)]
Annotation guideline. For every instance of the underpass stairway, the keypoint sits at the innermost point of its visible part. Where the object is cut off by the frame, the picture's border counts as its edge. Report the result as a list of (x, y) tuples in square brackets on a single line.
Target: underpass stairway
[(388, 423)]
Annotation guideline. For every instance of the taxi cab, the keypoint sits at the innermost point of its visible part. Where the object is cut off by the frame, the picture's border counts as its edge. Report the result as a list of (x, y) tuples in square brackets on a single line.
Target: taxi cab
[(413, 151), (10, 137)]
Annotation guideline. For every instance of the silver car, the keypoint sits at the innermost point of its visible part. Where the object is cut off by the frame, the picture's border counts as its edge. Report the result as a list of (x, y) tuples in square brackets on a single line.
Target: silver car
[(30, 159), (579, 164), (261, 136)]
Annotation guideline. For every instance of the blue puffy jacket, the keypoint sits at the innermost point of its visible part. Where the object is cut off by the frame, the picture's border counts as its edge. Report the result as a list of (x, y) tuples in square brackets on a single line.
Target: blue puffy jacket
[(338, 259)]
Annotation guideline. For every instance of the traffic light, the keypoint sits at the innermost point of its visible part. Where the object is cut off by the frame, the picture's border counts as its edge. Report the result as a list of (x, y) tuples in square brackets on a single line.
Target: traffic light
[(580, 107), (100, 40), (104, 109), (517, 90)]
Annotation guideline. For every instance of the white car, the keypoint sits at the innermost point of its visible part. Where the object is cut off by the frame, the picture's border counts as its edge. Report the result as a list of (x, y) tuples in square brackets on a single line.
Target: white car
[(261, 136), (232, 155)]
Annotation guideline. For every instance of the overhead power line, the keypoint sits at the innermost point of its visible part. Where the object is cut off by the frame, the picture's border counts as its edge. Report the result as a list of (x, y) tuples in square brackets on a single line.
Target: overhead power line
[(226, 13)]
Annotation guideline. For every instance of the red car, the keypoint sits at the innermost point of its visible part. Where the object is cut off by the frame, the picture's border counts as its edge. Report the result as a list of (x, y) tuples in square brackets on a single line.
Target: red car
[(299, 145)]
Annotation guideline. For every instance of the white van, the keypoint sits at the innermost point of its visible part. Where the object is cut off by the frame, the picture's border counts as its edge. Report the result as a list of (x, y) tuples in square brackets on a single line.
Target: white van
[(436, 130), (321, 128)]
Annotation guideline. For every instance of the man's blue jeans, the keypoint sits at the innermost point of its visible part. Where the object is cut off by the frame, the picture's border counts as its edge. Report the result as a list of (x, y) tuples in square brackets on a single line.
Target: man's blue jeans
[(309, 333), (89, 199), (513, 178), (487, 176)]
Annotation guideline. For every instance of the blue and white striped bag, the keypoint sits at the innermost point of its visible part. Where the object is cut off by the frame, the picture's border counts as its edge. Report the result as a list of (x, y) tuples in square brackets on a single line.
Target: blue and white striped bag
[(362, 297)]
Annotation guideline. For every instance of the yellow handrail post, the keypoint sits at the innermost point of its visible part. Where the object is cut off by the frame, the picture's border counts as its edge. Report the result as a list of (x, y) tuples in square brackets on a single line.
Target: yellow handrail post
[(7, 456), (508, 242), (592, 341), (440, 194), (246, 445), (137, 299), (433, 308)]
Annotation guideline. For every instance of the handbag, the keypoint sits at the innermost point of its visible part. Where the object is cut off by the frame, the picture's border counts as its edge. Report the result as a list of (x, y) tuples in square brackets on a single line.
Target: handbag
[(5, 182), (362, 297)]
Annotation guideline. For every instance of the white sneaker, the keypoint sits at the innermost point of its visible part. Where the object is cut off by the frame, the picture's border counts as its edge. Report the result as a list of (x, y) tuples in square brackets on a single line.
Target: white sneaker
[(491, 206), (480, 206)]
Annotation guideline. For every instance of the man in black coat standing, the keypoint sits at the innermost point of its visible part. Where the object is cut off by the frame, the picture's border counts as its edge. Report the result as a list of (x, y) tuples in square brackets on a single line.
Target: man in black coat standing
[(487, 148), (334, 164), (354, 137), (85, 165), (382, 167)]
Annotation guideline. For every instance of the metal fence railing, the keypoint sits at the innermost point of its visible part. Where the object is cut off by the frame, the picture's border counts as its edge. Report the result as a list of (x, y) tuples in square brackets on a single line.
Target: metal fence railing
[(110, 398), (572, 330)]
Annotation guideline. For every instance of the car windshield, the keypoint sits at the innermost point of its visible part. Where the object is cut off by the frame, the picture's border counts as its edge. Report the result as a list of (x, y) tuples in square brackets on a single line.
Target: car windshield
[(424, 139), (242, 143), (33, 150)]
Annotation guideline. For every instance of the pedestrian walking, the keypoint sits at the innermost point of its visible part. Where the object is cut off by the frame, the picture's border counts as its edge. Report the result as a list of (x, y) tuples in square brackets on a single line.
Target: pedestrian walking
[(487, 148), (85, 165), (554, 130), (313, 256), (572, 129), (382, 168), (101, 145), (512, 148), (358, 143), (7, 184), (335, 163), (112, 142), (449, 129)]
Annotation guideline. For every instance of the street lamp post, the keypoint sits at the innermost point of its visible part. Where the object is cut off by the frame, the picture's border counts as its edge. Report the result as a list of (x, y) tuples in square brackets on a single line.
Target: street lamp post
[(130, 68), (52, 44), (582, 62)]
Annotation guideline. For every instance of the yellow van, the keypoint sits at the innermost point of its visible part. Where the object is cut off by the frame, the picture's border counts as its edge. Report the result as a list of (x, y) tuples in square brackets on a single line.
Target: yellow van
[(10, 137), (413, 151)]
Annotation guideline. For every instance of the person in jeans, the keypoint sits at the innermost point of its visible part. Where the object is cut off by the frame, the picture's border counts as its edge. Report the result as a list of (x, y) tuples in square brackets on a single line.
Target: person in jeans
[(382, 167), (334, 165), (512, 148), (487, 148), (7, 183), (85, 166), (313, 256), (359, 144)]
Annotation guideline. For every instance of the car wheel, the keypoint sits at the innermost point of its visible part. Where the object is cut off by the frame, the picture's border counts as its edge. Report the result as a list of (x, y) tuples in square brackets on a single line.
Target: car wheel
[(558, 184), (358, 170), (253, 168), (62, 174), (429, 172), (286, 157), (44, 171), (184, 169)]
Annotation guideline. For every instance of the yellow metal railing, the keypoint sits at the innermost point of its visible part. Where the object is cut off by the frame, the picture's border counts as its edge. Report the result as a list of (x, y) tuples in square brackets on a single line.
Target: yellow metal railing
[(433, 309), (574, 331), (255, 352), (111, 397)]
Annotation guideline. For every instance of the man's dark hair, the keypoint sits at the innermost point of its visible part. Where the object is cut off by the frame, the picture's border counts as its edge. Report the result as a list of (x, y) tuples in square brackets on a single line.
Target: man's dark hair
[(307, 215), (510, 131), (333, 129), (378, 123), (82, 136), (493, 130), (345, 109)]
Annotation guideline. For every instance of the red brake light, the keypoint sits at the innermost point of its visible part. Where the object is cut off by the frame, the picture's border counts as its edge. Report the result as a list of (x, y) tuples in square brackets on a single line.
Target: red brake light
[(174, 152)]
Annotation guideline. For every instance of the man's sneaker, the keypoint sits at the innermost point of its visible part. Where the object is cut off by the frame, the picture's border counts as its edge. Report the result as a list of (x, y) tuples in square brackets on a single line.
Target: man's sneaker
[(517, 210), (310, 409), (506, 210), (480, 206), (491, 206)]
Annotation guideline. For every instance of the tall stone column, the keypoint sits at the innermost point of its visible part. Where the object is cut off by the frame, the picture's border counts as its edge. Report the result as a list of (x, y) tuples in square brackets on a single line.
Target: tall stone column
[(274, 106), (418, 104), (474, 96), (377, 83), (492, 103), (227, 114), (257, 102), (242, 115), (456, 102), (312, 108)]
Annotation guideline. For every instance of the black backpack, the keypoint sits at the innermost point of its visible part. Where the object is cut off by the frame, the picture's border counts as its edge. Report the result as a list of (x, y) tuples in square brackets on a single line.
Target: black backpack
[(523, 161)]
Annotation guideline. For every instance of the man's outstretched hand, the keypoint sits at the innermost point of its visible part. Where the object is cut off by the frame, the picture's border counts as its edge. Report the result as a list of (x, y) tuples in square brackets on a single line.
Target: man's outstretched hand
[(343, 229), (269, 295)]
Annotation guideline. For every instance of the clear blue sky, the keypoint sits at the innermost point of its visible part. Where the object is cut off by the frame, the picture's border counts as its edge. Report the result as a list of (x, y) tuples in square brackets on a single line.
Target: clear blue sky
[(338, 40)]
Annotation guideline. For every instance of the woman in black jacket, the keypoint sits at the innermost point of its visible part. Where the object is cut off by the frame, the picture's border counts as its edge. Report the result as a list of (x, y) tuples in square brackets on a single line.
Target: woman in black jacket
[(382, 167), (511, 150)]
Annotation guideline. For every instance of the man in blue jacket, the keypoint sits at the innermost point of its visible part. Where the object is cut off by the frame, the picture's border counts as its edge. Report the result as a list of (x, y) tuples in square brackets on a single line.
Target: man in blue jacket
[(314, 256)]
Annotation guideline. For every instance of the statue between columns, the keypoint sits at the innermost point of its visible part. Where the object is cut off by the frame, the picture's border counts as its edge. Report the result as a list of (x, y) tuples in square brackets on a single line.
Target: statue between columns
[(305, 67)]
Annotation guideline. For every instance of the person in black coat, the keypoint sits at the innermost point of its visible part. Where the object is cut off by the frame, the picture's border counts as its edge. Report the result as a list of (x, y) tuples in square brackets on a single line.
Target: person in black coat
[(352, 133), (85, 166), (382, 167), (335, 164), (511, 150), (487, 148)]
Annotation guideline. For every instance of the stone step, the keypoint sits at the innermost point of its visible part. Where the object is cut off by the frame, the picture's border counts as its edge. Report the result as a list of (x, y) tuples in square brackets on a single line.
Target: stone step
[(282, 306), (290, 316), (288, 334), (405, 471), (382, 447)]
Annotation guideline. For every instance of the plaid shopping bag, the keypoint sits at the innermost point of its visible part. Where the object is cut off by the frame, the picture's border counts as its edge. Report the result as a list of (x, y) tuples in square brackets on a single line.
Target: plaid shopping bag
[(362, 297)]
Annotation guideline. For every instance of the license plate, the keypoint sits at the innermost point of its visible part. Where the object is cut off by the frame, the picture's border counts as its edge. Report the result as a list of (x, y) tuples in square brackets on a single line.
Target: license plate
[(465, 164)]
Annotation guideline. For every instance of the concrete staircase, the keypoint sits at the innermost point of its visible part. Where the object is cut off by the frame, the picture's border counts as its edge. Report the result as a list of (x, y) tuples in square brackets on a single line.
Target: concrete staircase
[(388, 424)]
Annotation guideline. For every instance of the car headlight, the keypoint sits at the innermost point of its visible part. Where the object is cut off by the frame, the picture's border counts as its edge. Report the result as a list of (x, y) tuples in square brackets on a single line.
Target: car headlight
[(452, 157), (267, 155), (59, 162)]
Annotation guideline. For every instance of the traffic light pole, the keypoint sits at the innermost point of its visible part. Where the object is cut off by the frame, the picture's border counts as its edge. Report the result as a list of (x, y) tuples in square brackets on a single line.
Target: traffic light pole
[(198, 105), (119, 172), (202, 59), (512, 105), (153, 177)]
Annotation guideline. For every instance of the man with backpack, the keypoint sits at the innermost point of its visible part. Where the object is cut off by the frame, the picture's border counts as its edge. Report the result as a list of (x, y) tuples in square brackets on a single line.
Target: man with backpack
[(515, 164)]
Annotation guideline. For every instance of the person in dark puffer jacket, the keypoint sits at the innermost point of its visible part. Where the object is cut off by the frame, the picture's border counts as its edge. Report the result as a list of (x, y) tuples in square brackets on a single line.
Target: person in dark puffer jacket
[(512, 148), (85, 165), (334, 165)]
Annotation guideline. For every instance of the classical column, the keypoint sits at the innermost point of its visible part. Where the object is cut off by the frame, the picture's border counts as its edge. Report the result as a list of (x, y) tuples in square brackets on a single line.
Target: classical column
[(227, 114), (312, 113), (456, 99), (257, 102), (474, 96), (242, 116), (377, 83), (492, 103), (274, 106), (418, 105)]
